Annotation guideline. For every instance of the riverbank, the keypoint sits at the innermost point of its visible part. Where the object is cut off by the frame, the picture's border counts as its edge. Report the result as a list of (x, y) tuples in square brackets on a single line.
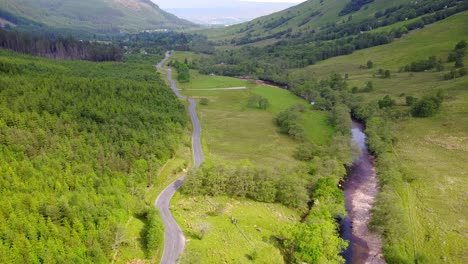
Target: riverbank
[(360, 191)]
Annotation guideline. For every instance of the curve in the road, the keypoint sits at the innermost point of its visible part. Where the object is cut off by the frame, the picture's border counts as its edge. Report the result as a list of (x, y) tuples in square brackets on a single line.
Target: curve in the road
[(174, 240)]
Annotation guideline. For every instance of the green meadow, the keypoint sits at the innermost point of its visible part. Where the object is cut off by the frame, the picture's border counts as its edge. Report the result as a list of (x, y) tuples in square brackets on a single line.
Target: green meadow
[(224, 242)]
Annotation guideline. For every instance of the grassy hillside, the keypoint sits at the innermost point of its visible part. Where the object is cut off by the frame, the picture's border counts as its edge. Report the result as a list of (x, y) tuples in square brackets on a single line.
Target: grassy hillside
[(102, 16), (307, 16), (420, 210), (269, 46), (81, 147)]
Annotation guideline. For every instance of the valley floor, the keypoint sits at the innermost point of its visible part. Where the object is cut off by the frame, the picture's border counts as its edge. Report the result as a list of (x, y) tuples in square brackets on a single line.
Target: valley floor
[(233, 131)]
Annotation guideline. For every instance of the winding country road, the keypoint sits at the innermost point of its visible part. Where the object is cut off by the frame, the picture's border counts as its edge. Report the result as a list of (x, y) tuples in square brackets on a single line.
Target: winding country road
[(174, 240)]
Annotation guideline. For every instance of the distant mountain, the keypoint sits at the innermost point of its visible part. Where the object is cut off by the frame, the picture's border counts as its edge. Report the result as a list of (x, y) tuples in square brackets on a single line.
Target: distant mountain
[(229, 14), (308, 18), (102, 16)]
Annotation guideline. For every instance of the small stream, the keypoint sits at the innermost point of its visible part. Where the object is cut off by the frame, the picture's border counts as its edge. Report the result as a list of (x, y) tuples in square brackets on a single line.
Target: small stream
[(360, 190)]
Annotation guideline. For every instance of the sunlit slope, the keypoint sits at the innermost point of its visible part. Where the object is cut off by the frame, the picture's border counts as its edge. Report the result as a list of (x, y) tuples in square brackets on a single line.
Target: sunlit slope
[(300, 19)]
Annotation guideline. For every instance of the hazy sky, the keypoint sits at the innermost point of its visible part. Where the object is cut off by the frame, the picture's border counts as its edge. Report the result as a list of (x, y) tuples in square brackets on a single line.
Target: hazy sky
[(212, 3)]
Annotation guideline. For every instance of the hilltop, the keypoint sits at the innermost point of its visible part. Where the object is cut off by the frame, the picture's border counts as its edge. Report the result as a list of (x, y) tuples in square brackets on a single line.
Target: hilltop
[(98, 16)]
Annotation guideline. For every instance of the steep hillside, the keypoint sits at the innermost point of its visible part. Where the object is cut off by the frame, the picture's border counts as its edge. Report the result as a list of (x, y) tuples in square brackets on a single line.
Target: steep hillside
[(90, 15), (268, 47), (305, 16), (326, 20)]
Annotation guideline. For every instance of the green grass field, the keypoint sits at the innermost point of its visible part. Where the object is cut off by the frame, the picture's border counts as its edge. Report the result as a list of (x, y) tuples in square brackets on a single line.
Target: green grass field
[(316, 123), (432, 151), (223, 241), (231, 130)]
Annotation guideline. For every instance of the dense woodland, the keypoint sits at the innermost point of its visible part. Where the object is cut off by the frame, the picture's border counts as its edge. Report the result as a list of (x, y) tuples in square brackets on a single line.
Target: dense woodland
[(58, 48), (80, 143), (163, 41)]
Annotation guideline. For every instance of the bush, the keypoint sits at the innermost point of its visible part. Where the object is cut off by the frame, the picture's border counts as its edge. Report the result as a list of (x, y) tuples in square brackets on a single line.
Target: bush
[(387, 74), (201, 229), (427, 106), (459, 63), (460, 45), (386, 102), (369, 87), (410, 100), (153, 232), (289, 122), (257, 101), (306, 152), (451, 75), (204, 101), (456, 54), (462, 72), (422, 65)]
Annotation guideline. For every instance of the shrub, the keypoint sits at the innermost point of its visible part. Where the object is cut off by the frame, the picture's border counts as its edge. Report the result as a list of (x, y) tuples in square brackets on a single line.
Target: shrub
[(204, 101), (289, 122), (386, 102), (410, 100), (153, 232), (257, 101), (369, 87), (460, 45), (306, 152), (427, 106), (459, 63)]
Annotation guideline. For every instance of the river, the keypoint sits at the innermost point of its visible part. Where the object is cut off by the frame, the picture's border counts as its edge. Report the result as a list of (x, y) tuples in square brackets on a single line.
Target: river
[(360, 190)]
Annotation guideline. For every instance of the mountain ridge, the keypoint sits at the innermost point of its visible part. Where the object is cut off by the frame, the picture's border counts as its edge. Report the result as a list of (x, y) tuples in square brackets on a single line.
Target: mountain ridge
[(101, 16)]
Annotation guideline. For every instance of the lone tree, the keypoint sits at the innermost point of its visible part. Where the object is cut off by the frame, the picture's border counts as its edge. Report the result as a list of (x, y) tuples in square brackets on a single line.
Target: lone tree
[(370, 64)]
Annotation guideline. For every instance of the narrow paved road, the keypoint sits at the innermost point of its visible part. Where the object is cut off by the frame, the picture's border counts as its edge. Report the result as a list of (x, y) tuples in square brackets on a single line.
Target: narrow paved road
[(174, 240)]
